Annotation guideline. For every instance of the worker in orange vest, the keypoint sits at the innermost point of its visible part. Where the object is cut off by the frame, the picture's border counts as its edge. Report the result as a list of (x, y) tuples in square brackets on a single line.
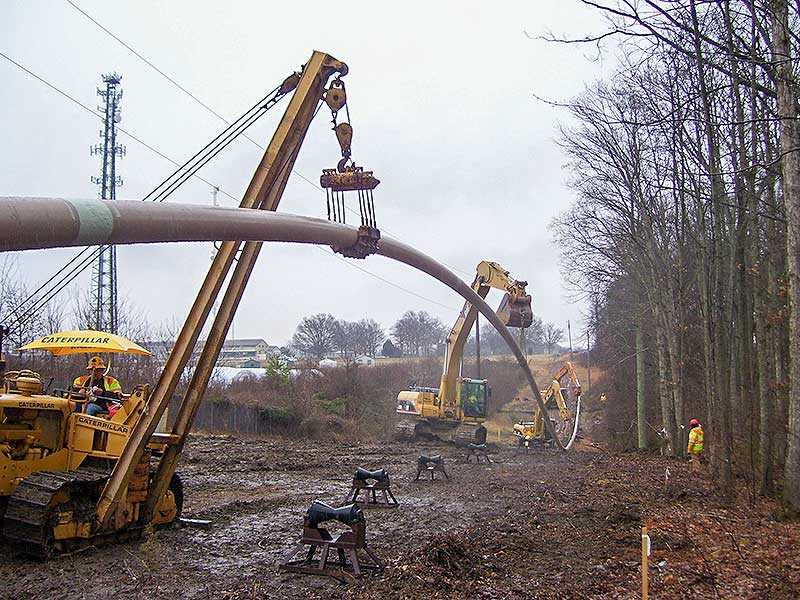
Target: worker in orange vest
[(695, 446)]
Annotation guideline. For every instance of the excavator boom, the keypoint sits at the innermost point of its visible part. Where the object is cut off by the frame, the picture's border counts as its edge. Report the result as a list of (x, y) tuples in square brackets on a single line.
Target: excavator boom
[(516, 312)]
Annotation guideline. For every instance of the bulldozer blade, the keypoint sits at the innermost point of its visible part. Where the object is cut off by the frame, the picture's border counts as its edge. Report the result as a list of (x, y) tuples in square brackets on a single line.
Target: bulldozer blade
[(515, 313)]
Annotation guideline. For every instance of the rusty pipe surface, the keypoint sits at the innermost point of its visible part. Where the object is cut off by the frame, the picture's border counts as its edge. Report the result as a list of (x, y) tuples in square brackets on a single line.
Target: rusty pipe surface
[(34, 223)]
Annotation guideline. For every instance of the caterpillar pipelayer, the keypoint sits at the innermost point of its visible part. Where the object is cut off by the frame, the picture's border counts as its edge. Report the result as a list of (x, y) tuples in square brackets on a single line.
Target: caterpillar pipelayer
[(456, 409), (67, 479)]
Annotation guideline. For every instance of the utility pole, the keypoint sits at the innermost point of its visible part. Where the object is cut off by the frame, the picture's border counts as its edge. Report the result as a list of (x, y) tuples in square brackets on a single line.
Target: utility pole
[(569, 334), (589, 358), (104, 274)]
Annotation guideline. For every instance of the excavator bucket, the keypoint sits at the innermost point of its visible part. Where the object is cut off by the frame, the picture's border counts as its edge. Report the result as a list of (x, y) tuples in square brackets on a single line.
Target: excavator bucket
[(515, 312)]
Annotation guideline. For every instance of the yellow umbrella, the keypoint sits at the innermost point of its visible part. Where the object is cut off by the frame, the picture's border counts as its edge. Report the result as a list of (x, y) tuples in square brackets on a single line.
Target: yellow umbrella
[(85, 341)]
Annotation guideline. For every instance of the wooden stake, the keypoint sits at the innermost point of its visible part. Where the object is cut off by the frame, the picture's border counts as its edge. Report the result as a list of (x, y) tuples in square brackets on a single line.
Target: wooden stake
[(645, 554)]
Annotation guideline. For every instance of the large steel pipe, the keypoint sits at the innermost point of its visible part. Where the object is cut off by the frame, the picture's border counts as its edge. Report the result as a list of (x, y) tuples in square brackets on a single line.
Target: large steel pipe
[(30, 223)]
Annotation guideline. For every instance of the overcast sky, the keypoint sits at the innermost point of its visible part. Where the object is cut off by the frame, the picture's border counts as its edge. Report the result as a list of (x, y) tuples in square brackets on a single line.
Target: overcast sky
[(442, 106)]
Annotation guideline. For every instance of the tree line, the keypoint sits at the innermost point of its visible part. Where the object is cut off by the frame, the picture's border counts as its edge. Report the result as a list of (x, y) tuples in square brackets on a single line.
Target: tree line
[(686, 169), (416, 333)]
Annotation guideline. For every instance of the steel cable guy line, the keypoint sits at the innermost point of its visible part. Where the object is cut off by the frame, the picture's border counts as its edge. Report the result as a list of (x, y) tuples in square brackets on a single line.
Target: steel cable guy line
[(261, 106), (41, 287), (74, 272), (203, 160), (58, 288), (222, 140)]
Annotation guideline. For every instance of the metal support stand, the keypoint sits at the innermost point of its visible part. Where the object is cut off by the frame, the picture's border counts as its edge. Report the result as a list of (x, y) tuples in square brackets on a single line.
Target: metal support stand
[(347, 544), (431, 465), (371, 494), (478, 451)]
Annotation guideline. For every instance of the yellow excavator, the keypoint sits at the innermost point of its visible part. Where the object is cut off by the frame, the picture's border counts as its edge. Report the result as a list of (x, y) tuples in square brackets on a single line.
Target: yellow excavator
[(69, 480), (561, 401), (456, 409)]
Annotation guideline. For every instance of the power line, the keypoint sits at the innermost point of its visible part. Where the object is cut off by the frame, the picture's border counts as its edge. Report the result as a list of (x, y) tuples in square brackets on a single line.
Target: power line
[(147, 62), (64, 281), (100, 116), (155, 68), (394, 285), (212, 148)]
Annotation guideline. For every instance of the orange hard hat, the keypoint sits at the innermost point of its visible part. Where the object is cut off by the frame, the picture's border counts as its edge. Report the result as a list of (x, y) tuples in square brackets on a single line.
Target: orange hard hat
[(96, 363), (694, 422)]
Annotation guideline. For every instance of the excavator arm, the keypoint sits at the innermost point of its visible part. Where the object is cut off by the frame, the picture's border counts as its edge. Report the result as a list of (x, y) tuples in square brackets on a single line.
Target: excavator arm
[(515, 311), (263, 193), (553, 394)]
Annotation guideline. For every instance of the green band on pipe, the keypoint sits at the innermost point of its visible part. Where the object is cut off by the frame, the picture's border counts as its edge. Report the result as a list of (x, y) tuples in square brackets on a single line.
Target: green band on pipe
[(95, 219)]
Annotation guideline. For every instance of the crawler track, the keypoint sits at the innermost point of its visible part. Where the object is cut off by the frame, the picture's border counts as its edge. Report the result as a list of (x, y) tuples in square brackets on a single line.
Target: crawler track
[(41, 498), (33, 509), (404, 430)]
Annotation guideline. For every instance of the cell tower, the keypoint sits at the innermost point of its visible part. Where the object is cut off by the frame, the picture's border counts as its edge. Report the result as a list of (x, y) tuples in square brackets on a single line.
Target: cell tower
[(104, 273)]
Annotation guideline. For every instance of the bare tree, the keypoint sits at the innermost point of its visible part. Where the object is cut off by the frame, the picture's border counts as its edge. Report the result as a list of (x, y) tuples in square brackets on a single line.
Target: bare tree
[(370, 336), (676, 166), (551, 336), (418, 333), (315, 336)]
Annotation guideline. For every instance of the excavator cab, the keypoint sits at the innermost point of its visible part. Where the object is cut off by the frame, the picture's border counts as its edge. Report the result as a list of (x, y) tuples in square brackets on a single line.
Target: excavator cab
[(474, 398), (516, 311)]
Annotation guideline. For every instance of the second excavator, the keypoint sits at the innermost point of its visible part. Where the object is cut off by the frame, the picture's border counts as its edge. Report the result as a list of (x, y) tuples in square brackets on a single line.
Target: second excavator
[(456, 410), (563, 404)]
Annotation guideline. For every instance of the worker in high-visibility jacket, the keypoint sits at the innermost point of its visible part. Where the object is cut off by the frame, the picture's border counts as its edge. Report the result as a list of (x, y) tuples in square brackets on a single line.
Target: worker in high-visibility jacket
[(695, 447), (99, 389)]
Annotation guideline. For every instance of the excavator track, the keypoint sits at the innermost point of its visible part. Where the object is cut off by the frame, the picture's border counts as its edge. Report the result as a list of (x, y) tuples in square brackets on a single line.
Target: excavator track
[(469, 433), (33, 509), (404, 430)]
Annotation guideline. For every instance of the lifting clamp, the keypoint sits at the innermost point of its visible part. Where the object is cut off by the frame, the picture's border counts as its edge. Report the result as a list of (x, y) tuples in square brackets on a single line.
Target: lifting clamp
[(347, 177)]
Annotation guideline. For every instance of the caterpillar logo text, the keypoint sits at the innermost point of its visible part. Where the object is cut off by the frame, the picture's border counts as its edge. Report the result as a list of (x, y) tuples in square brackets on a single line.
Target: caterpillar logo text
[(36, 405), (102, 424)]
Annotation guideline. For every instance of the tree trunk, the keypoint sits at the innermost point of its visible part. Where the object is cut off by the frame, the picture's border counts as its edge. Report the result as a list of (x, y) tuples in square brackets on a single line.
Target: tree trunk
[(790, 165), (765, 398), (665, 390), (641, 403)]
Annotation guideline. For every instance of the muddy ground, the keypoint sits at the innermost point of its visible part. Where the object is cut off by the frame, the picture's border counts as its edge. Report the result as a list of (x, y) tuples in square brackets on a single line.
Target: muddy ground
[(541, 525)]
